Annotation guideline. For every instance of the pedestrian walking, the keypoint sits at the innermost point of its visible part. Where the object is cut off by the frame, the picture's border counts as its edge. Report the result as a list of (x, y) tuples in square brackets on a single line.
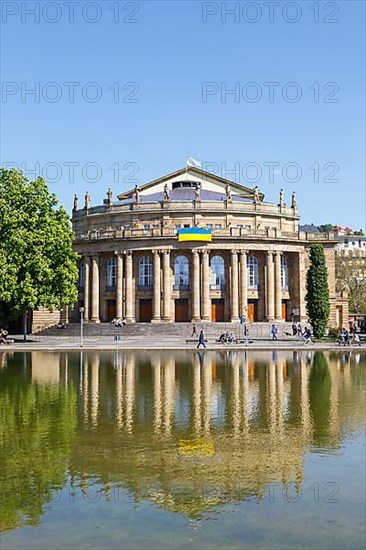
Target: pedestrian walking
[(274, 332), (194, 331), (201, 340)]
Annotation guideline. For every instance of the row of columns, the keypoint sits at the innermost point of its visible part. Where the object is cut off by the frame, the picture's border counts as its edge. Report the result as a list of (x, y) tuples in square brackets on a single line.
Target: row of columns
[(200, 288)]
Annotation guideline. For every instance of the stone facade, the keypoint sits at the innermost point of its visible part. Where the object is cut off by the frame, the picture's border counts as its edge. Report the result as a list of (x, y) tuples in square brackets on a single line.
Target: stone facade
[(133, 265)]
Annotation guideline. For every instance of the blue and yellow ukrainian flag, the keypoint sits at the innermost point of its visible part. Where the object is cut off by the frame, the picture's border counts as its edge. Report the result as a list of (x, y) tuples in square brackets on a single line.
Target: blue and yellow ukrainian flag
[(194, 234)]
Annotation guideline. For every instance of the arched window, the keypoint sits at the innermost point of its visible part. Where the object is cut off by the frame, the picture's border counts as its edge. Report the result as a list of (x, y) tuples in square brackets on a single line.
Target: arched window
[(146, 272), (217, 272), (181, 272), (111, 272), (284, 273), (82, 275), (252, 272)]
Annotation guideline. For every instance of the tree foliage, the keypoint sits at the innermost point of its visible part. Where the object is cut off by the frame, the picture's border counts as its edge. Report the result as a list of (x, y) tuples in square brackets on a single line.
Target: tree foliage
[(317, 295), (351, 276), (37, 265), (325, 227)]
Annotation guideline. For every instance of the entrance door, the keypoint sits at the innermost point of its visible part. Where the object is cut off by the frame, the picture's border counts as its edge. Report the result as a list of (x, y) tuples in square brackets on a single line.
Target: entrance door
[(252, 311), (218, 310), (111, 310), (145, 311), (181, 311), (284, 311)]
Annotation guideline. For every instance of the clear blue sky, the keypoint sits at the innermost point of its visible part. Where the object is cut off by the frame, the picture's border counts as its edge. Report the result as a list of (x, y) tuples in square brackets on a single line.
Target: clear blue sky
[(171, 50)]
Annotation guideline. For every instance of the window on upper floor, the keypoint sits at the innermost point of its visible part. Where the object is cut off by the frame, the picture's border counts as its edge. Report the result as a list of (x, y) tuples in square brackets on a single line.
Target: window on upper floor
[(181, 272), (217, 264), (111, 272), (284, 274), (146, 272), (82, 275), (252, 272)]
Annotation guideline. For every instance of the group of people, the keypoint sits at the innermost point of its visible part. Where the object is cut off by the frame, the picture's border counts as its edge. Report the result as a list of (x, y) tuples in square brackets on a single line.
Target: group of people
[(306, 334), (118, 322), (346, 338), (227, 338)]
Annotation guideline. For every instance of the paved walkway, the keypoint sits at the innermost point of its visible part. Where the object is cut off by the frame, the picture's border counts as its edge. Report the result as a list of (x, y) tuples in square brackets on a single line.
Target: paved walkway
[(35, 342)]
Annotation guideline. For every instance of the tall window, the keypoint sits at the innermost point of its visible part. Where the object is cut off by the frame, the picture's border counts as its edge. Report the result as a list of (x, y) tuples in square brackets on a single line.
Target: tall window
[(181, 272), (111, 272), (252, 272), (217, 272), (146, 272), (284, 274), (82, 275)]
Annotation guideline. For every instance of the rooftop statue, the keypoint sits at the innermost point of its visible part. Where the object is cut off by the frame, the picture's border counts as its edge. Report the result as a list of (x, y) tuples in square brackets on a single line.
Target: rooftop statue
[(197, 191), (294, 200), (137, 194), (110, 197), (87, 200), (228, 191), (281, 203), (166, 192), (76, 202), (256, 194)]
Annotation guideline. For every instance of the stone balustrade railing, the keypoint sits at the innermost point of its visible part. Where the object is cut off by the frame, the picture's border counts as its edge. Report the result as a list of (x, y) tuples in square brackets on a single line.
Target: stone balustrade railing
[(234, 232)]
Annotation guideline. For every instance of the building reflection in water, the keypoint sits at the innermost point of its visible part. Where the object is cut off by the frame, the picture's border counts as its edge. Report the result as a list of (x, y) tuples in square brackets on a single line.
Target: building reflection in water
[(188, 430)]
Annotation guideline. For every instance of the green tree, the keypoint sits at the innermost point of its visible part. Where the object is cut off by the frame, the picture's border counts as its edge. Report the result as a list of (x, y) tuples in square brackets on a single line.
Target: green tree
[(37, 264), (317, 295), (325, 227), (351, 276)]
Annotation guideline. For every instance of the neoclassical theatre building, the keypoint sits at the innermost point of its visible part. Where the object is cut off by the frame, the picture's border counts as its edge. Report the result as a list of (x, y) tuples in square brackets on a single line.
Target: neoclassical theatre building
[(193, 246)]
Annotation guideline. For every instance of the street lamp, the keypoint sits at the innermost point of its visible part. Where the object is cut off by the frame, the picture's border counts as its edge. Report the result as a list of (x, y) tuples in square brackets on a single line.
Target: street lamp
[(81, 311)]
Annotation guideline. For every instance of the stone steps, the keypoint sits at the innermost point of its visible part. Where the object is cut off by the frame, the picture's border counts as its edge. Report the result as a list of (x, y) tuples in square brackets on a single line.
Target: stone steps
[(167, 330)]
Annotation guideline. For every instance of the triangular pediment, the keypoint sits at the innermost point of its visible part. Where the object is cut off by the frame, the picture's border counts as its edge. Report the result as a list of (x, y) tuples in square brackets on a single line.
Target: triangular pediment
[(207, 180)]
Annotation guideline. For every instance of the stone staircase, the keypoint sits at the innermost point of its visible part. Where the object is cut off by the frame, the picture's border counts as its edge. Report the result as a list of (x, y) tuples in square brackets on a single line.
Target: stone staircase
[(172, 331)]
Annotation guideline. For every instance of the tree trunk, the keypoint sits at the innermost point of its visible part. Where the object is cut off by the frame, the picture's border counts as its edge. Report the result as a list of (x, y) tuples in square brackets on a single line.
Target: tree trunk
[(25, 316)]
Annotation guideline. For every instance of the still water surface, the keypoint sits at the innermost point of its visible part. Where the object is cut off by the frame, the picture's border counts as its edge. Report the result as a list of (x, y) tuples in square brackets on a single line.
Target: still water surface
[(183, 450)]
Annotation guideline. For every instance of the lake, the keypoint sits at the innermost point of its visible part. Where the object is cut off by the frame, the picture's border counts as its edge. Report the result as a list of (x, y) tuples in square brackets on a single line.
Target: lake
[(232, 449)]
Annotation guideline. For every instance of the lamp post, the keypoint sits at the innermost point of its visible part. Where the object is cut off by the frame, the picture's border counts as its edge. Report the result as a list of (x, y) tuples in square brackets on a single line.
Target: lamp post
[(81, 311)]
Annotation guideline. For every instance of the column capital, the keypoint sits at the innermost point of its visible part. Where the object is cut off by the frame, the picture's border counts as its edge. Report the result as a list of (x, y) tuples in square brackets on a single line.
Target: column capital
[(269, 253), (234, 252), (155, 252), (244, 252), (278, 253)]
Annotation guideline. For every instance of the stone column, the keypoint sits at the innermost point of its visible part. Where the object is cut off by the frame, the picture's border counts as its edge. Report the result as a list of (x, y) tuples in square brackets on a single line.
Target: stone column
[(87, 288), (243, 284), (129, 289), (278, 287), (119, 285), (234, 291), (157, 291), (167, 292), (196, 317), (206, 313), (270, 287), (95, 290)]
